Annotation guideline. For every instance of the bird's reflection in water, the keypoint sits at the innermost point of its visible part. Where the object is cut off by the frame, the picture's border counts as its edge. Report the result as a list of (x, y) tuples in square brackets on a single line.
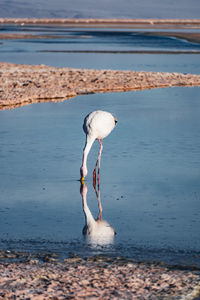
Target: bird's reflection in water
[(96, 231)]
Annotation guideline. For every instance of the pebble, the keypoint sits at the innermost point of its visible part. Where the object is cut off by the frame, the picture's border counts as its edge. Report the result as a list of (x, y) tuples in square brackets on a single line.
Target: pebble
[(94, 278)]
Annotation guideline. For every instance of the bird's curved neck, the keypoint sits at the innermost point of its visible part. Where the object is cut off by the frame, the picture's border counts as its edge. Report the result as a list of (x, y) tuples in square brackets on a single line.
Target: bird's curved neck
[(88, 144)]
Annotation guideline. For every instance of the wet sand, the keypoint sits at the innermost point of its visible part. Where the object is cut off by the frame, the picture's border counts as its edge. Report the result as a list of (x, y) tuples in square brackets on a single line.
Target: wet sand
[(95, 278), (25, 84)]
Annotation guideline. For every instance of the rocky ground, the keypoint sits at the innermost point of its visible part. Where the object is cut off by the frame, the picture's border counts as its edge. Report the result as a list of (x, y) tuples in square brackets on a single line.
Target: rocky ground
[(24, 84), (95, 278)]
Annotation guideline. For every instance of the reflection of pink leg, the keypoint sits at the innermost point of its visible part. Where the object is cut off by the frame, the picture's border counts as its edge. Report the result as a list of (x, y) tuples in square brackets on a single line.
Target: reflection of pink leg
[(94, 176), (98, 177), (97, 163), (100, 208), (97, 191)]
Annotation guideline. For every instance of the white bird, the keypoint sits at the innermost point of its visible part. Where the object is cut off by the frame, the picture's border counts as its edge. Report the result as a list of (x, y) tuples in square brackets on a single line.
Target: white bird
[(97, 125)]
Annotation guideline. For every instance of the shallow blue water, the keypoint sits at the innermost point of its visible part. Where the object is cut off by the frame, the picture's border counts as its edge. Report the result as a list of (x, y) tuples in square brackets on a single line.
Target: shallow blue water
[(150, 166), (149, 177), (28, 51)]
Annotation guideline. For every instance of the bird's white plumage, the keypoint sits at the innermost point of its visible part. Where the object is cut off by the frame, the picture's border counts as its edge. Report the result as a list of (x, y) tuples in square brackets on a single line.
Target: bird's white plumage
[(97, 125)]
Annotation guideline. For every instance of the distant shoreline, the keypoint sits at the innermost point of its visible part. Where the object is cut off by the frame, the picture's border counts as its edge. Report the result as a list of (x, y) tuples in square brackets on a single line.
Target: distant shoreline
[(108, 23), (172, 27)]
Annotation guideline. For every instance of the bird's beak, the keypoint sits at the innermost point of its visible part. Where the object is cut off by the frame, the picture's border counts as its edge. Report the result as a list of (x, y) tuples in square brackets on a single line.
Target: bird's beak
[(82, 180)]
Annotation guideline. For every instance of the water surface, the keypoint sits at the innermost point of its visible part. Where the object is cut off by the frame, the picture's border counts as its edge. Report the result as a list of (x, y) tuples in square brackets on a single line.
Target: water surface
[(149, 182), (150, 167), (35, 51)]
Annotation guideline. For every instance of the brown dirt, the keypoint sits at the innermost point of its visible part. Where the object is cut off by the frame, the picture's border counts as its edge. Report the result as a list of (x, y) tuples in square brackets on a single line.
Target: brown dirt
[(25, 84)]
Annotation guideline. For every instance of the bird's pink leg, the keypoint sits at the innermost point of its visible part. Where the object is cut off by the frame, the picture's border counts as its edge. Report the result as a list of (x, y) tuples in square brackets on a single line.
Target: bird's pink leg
[(99, 159), (97, 163)]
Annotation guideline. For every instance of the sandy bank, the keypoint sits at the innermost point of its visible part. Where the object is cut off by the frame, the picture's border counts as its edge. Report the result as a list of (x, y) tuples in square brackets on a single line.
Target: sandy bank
[(95, 278), (25, 84)]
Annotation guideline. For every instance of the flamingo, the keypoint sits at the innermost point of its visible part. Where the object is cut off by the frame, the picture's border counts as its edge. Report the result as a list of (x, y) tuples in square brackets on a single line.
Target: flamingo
[(97, 125)]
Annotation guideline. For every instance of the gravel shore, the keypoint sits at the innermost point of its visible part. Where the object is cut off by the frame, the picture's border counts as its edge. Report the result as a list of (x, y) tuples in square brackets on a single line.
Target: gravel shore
[(25, 84), (95, 278)]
